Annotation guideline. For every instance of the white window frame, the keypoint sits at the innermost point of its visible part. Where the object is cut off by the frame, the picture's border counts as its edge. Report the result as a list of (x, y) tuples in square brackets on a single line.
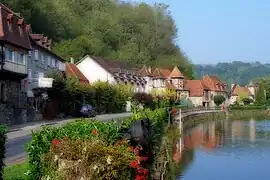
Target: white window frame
[(36, 54), (30, 75)]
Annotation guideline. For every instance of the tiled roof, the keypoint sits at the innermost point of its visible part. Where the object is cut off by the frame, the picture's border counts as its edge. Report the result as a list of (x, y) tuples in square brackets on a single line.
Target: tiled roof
[(195, 87), (41, 40), (73, 71), (10, 25), (213, 83), (144, 71), (176, 73), (239, 90), (161, 73)]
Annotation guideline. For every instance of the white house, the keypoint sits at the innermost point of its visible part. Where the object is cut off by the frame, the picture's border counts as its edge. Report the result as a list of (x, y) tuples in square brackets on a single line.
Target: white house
[(100, 69)]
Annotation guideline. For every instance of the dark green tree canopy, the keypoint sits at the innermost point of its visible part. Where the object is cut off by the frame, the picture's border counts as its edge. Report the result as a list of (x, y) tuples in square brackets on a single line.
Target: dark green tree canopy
[(138, 34), (219, 99)]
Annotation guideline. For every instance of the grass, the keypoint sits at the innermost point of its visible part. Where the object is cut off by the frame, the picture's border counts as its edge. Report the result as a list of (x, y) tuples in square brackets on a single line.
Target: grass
[(16, 172)]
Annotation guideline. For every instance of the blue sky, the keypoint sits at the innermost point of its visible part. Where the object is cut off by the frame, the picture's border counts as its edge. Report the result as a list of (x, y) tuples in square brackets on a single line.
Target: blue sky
[(212, 31)]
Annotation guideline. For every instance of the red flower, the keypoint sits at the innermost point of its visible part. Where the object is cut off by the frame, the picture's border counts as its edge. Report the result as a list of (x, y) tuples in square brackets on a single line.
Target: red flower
[(142, 171), (140, 177), (145, 172), (94, 132), (142, 158), (133, 164), (131, 149), (55, 142)]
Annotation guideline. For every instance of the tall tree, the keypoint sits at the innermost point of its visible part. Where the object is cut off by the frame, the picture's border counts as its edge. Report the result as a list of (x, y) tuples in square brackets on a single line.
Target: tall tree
[(260, 95)]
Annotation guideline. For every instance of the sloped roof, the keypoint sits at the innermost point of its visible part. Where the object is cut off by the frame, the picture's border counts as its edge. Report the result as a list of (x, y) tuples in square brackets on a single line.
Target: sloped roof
[(18, 35), (239, 90), (195, 87), (161, 73), (73, 71), (144, 71), (176, 73), (165, 72), (213, 83)]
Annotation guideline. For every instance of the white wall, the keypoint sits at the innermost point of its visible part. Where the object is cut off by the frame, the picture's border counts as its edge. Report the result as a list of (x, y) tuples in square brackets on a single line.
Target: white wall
[(93, 71), (149, 84), (233, 99), (252, 90), (197, 101)]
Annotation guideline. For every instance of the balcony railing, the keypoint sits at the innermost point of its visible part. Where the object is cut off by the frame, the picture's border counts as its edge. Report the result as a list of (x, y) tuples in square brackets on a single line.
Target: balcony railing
[(15, 67)]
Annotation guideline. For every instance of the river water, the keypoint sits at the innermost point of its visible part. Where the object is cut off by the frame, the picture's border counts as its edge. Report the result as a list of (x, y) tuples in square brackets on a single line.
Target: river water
[(225, 150)]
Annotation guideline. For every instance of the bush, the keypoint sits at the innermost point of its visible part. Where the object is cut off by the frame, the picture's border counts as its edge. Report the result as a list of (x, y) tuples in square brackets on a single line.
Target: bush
[(219, 99), (105, 97), (89, 132), (145, 99), (3, 138), (247, 101), (248, 107)]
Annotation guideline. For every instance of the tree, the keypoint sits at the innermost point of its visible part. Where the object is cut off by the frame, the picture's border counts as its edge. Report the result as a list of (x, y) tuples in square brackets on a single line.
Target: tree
[(260, 95), (247, 101), (135, 33), (219, 99)]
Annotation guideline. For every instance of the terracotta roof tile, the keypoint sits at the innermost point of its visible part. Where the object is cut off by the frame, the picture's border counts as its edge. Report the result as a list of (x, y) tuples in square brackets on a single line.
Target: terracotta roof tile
[(165, 72), (73, 71), (157, 74), (195, 87), (176, 73), (144, 71), (14, 36), (20, 21), (213, 83), (239, 90)]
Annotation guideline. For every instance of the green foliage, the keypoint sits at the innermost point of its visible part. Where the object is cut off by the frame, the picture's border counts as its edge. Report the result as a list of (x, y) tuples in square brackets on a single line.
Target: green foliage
[(248, 107), (247, 101), (219, 99), (3, 138), (105, 97), (16, 172), (235, 72), (135, 33), (107, 133), (260, 94)]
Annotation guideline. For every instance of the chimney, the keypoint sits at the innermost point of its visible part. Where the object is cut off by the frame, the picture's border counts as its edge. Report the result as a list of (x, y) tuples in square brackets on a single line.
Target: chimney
[(72, 60)]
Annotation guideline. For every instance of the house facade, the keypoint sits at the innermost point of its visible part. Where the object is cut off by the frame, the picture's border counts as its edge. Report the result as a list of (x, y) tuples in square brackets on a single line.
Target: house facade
[(100, 69), (237, 92), (15, 48)]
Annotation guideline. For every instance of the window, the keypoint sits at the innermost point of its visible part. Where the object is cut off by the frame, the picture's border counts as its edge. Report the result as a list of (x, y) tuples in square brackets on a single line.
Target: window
[(30, 75), (9, 55), (41, 75), (49, 59), (20, 58), (10, 26), (21, 30), (15, 57), (42, 58), (57, 64), (53, 62), (36, 54)]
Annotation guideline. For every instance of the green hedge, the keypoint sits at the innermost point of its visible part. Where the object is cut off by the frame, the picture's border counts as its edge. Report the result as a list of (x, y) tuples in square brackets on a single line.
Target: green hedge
[(248, 107), (3, 138), (109, 133)]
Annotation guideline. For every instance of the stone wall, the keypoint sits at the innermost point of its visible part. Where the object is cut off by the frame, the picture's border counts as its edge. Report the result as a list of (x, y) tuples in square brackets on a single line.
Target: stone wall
[(6, 114)]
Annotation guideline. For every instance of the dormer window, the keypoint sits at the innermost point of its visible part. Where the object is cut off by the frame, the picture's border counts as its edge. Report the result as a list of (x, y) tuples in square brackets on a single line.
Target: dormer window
[(20, 26), (9, 21)]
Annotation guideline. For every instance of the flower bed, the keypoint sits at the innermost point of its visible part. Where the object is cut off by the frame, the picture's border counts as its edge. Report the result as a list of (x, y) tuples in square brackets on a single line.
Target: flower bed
[(76, 148)]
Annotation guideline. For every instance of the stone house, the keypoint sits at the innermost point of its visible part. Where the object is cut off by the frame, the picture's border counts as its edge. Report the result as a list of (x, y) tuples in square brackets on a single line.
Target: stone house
[(237, 91), (15, 48), (215, 86), (198, 93), (41, 62), (100, 69)]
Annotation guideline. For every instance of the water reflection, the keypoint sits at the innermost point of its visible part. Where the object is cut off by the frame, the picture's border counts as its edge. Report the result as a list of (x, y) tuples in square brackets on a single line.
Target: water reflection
[(224, 150)]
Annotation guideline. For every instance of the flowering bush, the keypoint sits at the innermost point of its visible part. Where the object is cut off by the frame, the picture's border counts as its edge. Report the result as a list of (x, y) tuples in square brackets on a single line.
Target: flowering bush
[(85, 159)]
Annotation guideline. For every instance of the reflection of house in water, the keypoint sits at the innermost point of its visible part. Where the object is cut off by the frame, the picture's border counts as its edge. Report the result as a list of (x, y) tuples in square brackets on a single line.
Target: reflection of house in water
[(240, 129)]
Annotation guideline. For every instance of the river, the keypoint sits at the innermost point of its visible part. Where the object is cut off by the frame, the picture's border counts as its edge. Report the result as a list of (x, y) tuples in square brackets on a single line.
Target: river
[(225, 150)]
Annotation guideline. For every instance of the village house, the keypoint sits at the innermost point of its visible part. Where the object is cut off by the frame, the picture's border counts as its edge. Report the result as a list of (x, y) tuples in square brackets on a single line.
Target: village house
[(198, 93), (100, 69), (72, 71), (15, 48), (215, 87), (42, 61), (238, 92)]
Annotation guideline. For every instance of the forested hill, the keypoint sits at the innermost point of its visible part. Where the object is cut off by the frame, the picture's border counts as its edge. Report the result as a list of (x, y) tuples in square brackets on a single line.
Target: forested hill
[(234, 72), (134, 33)]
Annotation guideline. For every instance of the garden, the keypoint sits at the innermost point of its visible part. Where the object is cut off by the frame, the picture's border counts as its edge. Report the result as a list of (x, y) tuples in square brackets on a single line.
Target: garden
[(90, 149)]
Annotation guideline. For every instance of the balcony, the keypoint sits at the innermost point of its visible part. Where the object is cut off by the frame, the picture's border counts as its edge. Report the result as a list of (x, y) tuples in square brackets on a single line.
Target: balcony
[(15, 67)]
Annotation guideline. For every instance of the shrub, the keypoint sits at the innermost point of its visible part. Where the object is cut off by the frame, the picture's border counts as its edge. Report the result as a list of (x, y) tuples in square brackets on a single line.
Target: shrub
[(75, 159), (248, 107), (219, 99), (90, 132), (3, 131), (145, 99), (247, 101)]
